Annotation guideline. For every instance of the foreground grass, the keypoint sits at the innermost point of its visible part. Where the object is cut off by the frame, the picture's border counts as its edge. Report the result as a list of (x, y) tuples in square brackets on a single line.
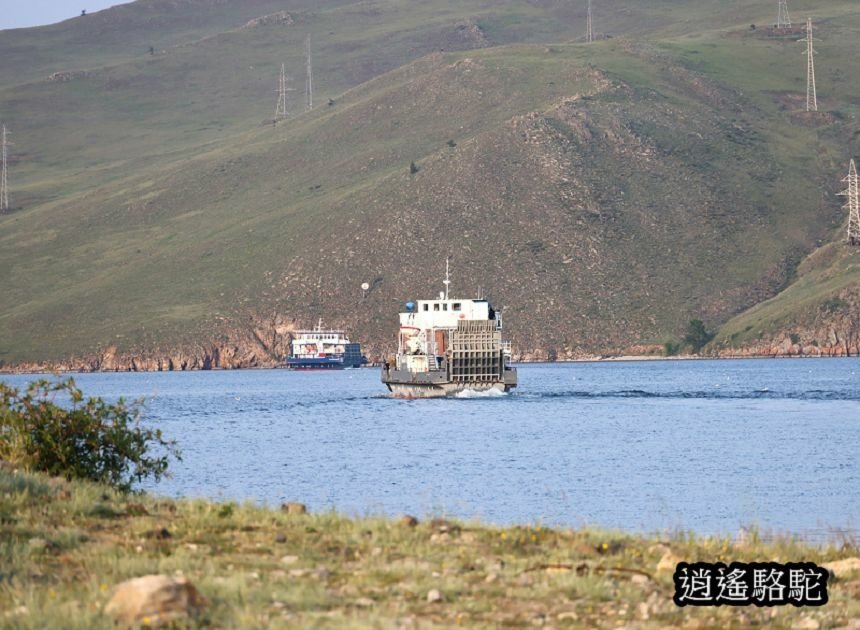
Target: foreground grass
[(65, 545)]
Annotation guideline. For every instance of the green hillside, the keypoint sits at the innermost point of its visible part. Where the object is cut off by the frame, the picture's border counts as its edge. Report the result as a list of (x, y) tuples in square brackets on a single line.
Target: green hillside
[(815, 314), (603, 194)]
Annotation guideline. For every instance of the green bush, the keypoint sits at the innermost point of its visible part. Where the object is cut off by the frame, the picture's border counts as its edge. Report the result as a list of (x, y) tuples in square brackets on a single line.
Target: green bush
[(84, 439), (697, 336), (833, 305)]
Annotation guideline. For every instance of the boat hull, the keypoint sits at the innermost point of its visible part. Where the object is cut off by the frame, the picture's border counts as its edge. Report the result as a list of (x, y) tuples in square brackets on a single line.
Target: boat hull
[(351, 358), (412, 390), (315, 364), (437, 384)]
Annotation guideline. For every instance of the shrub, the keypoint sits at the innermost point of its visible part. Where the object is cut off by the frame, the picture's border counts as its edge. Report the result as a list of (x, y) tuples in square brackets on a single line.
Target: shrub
[(86, 439), (697, 335), (413, 168), (833, 305)]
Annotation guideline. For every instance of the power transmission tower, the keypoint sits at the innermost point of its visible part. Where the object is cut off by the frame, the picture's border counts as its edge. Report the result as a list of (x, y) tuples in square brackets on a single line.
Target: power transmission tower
[(309, 77), (782, 19), (589, 25), (811, 96), (853, 205), (281, 107), (4, 184)]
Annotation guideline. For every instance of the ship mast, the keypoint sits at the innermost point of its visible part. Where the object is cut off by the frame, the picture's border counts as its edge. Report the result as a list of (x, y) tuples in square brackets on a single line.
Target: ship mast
[(447, 280)]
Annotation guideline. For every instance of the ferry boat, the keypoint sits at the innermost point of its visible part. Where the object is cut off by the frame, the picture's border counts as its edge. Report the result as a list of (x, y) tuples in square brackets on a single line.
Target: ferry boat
[(321, 349), (447, 346)]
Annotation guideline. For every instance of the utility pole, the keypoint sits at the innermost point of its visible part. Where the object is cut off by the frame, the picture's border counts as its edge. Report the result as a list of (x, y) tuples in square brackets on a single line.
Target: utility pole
[(811, 96), (4, 183), (309, 77), (281, 107), (782, 19), (853, 205), (589, 26)]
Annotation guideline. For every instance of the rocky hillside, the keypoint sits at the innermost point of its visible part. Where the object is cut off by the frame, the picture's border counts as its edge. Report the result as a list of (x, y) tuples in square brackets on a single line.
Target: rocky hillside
[(817, 315), (601, 194)]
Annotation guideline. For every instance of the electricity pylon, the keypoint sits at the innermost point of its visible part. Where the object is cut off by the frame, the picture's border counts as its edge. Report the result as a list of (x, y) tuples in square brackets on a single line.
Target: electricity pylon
[(853, 205), (782, 19), (589, 25), (309, 77), (4, 183), (281, 107), (811, 95)]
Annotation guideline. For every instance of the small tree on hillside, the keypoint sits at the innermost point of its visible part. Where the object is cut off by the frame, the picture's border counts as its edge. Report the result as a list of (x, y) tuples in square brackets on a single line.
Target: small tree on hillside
[(697, 336)]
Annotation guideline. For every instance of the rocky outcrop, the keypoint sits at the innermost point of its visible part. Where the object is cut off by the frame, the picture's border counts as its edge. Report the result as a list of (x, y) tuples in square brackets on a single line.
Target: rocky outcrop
[(830, 328), (281, 18), (68, 75), (260, 342)]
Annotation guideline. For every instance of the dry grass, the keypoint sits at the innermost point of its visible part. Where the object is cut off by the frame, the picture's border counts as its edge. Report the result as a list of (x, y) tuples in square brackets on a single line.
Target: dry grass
[(65, 545)]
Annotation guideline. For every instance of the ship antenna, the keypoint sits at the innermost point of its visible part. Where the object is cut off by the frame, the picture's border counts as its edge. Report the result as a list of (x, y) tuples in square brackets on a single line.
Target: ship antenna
[(447, 281)]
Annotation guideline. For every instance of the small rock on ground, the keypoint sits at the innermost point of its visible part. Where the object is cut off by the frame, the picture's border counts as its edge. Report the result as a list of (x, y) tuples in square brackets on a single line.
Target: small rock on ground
[(408, 521), (668, 562), (842, 568), (294, 508)]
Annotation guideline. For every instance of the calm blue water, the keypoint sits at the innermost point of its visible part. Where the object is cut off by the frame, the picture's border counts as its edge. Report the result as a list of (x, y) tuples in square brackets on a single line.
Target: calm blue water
[(708, 446)]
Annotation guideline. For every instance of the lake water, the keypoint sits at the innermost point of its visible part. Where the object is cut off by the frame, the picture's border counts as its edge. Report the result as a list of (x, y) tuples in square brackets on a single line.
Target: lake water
[(708, 446)]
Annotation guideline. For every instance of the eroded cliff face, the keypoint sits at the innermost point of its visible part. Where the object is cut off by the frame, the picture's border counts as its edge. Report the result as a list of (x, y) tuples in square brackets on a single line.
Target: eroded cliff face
[(827, 329), (260, 342)]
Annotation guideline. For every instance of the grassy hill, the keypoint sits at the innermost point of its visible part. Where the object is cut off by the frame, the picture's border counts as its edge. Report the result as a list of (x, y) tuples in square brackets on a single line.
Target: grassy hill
[(603, 194), (816, 314)]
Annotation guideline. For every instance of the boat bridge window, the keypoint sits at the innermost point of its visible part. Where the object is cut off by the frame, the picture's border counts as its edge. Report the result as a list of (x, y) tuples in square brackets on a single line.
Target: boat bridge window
[(435, 307), (445, 306), (426, 307), (456, 306)]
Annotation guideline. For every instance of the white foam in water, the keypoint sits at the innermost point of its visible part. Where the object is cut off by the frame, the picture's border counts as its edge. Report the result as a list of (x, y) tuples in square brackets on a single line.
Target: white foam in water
[(486, 393)]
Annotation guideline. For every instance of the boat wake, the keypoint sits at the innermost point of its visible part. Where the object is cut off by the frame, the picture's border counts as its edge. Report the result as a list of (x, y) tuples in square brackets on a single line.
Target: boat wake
[(755, 394), (486, 393)]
